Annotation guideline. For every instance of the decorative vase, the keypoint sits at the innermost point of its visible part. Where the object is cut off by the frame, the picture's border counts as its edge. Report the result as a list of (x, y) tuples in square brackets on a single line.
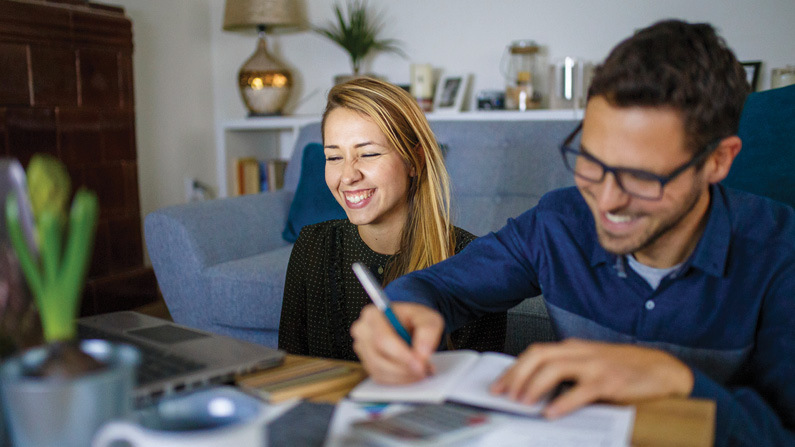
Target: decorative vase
[(264, 82), (66, 412)]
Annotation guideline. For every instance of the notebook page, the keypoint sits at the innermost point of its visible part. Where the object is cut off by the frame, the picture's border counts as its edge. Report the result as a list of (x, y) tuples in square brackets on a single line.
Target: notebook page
[(450, 367), (474, 389)]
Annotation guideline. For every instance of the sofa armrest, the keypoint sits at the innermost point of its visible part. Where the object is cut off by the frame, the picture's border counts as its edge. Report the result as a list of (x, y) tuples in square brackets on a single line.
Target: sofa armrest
[(184, 240)]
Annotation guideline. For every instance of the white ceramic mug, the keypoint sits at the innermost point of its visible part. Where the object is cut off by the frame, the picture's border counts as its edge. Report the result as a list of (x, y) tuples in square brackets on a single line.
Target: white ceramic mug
[(218, 417)]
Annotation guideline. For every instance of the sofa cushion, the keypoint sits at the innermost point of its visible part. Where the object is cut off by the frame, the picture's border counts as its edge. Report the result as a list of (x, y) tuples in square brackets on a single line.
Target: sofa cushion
[(313, 201), (240, 290)]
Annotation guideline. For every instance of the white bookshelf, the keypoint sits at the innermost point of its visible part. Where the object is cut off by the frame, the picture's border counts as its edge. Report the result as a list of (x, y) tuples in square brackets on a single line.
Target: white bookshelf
[(274, 137)]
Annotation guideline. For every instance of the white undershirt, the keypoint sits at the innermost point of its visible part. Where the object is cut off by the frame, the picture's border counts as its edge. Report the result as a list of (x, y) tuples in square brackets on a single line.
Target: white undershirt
[(652, 275)]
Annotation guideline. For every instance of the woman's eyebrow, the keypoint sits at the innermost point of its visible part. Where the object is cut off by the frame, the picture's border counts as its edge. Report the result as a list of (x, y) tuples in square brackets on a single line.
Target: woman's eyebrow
[(356, 146)]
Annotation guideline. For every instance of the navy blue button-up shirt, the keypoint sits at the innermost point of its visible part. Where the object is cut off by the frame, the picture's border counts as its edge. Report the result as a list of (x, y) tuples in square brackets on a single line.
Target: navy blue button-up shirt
[(728, 312)]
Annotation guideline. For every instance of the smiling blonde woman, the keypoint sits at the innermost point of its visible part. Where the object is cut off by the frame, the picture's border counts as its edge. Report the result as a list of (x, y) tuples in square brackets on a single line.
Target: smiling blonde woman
[(386, 170)]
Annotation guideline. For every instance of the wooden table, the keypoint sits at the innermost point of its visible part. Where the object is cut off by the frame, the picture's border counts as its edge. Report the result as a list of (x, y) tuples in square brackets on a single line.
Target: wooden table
[(663, 422)]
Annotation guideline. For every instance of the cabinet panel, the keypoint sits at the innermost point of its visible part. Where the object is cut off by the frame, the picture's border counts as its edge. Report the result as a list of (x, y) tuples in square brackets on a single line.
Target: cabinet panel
[(14, 75), (31, 130), (99, 78), (54, 76), (66, 88), (3, 134), (80, 134)]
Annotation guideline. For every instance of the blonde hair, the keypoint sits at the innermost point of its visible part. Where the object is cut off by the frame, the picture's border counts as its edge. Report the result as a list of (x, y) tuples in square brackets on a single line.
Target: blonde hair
[(427, 236)]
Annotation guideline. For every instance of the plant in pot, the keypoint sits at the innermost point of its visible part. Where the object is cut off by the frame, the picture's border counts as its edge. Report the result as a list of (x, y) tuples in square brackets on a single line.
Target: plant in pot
[(356, 31), (61, 392)]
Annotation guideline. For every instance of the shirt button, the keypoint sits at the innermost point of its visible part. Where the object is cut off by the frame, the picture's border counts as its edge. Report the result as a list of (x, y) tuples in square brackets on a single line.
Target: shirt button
[(380, 270), (650, 305)]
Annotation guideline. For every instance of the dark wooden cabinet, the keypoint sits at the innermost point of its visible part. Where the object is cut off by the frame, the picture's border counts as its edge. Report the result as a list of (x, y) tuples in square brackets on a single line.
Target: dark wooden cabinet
[(66, 88)]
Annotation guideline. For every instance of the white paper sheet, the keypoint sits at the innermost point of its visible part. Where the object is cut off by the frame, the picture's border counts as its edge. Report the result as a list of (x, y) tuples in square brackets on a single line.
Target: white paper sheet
[(595, 425)]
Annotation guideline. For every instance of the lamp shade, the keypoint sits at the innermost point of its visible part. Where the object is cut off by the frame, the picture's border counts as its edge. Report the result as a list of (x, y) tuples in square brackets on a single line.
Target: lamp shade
[(251, 13)]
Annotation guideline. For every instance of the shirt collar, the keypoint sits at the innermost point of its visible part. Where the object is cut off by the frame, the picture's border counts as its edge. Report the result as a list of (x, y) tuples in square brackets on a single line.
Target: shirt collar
[(712, 250)]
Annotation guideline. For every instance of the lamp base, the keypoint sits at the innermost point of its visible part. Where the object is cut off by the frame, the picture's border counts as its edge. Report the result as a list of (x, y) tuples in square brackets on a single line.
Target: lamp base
[(264, 83)]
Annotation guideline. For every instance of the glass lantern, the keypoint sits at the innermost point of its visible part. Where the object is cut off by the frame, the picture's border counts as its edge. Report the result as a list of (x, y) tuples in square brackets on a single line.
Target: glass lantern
[(519, 66)]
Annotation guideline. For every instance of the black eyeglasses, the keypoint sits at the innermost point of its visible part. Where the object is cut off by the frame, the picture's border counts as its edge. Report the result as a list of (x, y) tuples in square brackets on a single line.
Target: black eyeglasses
[(635, 182)]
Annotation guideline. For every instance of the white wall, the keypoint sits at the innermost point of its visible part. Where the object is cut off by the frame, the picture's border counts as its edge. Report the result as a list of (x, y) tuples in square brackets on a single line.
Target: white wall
[(173, 96), (471, 36), (186, 66)]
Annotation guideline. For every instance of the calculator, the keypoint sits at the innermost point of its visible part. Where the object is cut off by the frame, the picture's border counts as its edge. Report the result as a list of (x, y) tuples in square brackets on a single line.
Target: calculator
[(426, 425)]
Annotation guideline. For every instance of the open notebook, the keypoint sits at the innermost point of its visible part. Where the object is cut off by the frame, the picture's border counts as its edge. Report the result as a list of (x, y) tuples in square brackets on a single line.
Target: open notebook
[(461, 376)]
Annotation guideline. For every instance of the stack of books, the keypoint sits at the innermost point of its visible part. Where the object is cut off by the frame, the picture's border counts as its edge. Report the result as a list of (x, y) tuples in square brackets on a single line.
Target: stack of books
[(302, 377)]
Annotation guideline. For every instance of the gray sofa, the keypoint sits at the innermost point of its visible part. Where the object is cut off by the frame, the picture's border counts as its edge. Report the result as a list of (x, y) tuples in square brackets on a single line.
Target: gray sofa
[(221, 264)]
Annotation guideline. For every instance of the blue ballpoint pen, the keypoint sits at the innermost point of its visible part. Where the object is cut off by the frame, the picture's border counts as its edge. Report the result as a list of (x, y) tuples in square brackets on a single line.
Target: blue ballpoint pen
[(378, 296)]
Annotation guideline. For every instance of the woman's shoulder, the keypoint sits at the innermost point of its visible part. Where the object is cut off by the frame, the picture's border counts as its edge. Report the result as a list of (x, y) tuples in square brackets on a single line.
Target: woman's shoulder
[(462, 238), (314, 234)]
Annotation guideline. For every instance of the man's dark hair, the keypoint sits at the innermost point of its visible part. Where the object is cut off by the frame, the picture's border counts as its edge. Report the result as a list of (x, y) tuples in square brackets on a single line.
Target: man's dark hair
[(681, 65)]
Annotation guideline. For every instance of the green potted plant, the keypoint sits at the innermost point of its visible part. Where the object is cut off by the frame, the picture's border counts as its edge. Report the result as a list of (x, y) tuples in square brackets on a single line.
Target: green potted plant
[(356, 30), (90, 380)]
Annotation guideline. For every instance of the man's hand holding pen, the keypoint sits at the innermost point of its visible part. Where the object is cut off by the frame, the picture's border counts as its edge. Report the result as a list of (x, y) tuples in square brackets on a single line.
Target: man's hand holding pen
[(384, 354)]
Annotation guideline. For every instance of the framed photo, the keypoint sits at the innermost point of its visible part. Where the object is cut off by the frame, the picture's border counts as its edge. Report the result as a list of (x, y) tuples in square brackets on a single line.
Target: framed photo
[(752, 73), (449, 95)]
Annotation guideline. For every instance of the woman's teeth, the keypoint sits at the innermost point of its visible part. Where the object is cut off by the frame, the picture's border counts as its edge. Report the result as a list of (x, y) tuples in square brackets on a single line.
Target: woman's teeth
[(358, 197)]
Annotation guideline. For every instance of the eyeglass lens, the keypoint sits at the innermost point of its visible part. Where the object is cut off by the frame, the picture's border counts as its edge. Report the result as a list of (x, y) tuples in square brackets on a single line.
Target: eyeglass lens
[(632, 182)]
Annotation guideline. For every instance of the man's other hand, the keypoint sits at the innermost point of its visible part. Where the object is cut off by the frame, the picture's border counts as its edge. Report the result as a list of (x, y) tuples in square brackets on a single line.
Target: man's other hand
[(600, 372)]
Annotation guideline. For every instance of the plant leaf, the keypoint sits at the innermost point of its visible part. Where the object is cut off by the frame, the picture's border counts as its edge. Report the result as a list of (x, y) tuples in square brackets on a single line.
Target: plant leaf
[(358, 32)]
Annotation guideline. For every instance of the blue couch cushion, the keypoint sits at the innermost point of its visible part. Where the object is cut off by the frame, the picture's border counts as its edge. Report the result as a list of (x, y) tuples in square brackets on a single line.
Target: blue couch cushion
[(766, 162), (313, 201)]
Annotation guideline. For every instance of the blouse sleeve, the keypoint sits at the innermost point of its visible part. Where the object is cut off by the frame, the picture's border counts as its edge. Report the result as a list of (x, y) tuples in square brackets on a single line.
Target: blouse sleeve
[(293, 322)]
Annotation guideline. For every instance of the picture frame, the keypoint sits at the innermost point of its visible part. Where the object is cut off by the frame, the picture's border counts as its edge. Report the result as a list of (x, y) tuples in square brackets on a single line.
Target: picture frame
[(449, 95), (752, 69)]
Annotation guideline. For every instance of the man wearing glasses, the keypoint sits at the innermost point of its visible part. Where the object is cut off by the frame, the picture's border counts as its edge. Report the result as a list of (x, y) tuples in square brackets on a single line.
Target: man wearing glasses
[(659, 281)]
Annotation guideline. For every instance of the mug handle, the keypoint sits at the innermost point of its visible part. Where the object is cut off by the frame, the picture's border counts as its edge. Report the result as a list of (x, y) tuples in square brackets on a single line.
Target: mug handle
[(118, 431)]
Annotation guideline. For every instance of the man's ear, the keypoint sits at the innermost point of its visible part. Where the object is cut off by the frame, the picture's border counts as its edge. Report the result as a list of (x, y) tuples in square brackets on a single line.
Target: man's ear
[(720, 161)]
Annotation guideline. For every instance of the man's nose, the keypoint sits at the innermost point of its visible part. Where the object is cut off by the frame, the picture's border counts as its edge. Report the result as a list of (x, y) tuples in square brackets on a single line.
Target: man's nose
[(609, 193)]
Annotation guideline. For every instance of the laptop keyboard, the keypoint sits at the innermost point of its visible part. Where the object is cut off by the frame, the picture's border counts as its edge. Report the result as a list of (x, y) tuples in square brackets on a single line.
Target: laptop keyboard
[(155, 364)]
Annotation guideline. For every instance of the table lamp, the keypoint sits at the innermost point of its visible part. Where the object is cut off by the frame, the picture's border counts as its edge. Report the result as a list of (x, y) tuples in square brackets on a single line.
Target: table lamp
[(264, 82)]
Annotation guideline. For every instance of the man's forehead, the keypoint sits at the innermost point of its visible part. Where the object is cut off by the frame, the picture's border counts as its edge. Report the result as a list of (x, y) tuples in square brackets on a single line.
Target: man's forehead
[(634, 136)]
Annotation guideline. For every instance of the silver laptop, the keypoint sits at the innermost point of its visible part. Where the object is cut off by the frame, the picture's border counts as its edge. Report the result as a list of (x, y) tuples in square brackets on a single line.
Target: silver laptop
[(175, 357)]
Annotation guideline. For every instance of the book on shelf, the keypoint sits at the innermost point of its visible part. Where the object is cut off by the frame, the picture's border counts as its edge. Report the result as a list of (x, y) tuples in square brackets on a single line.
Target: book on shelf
[(246, 176), (252, 176), (275, 174)]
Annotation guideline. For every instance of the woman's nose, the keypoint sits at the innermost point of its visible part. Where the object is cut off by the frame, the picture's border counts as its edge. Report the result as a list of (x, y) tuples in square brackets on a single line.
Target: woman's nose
[(350, 172)]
